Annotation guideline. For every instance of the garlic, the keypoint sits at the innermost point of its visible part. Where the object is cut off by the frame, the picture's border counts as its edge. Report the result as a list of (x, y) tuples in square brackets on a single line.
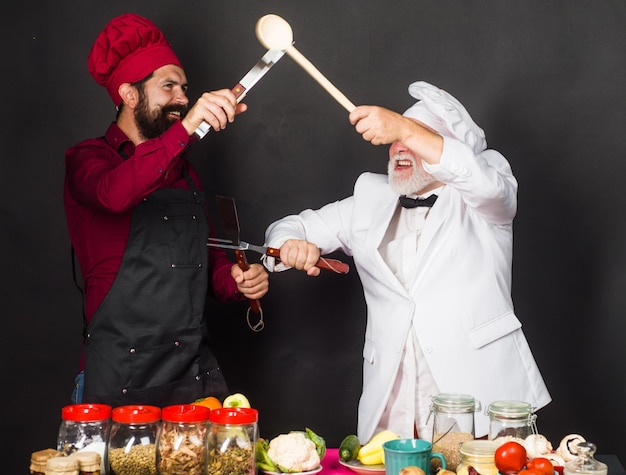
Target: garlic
[(556, 460), (537, 445)]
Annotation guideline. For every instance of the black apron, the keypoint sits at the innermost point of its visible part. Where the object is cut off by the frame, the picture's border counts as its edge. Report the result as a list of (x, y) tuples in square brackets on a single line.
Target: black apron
[(148, 342)]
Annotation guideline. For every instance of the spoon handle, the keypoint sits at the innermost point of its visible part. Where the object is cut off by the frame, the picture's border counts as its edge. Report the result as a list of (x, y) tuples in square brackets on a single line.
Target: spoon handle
[(320, 78)]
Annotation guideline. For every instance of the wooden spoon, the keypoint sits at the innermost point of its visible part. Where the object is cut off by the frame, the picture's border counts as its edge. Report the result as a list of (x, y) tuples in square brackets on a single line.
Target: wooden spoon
[(275, 33)]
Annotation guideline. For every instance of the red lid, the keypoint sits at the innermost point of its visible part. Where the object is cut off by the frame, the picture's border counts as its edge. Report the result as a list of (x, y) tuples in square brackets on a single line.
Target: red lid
[(185, 413), (86, 412), (136, 414), (234, 415)]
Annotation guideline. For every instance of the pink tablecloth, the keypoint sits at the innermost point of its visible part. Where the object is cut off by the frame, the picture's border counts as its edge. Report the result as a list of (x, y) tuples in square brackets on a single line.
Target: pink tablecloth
[(331, 465)]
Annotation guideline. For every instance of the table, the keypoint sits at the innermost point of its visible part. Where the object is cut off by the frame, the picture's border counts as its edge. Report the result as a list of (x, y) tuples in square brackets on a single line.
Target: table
[(331, 465)]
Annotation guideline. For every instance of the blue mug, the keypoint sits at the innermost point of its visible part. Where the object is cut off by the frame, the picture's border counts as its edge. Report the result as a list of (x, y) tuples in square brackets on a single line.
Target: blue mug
[(400, 453)]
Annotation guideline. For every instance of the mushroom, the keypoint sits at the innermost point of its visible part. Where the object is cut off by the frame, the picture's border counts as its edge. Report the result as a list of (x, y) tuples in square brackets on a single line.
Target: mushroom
[(537, 445), (568, 446)]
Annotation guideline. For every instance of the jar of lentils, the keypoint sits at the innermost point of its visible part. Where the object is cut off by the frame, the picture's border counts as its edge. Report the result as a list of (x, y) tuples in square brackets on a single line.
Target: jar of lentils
[(181, 447), (232, 435), (132, 441)]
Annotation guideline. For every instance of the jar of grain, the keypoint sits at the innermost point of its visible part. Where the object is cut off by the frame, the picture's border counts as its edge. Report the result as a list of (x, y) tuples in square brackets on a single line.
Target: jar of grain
[(453, 424), (478, 454), (61, 466), (132, 442), (511, 419), (181, 447), (232, 435), (84, 427)]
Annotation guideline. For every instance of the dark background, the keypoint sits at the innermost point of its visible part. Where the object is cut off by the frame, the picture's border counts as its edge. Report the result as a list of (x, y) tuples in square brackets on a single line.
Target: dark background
[(544, 79)]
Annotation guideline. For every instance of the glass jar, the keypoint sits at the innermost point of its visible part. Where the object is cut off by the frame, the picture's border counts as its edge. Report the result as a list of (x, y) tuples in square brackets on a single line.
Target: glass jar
[(89, 463), (478, 454), (132, 442), (453, 424), (511, 419), (61, 466), (182, 443), (232, 435), (84, 427), (585, 463), (38, 460)]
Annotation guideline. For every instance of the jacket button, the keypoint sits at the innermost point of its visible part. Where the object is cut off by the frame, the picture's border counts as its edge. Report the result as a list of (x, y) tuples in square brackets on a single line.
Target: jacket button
[(428, 350)]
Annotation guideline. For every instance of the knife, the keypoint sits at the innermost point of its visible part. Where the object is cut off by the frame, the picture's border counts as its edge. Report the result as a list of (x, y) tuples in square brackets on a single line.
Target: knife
[(250, 79), (323, 262)]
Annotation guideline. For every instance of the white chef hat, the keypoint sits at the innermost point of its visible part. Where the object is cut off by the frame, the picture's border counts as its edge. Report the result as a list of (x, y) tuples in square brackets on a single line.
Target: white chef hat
[(442, 112)]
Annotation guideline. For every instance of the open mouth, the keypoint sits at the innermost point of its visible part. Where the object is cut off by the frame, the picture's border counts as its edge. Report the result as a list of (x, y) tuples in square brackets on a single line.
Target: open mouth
[(403, 163)]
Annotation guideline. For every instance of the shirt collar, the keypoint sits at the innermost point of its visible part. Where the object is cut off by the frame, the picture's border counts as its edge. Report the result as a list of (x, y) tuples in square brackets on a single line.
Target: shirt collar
[(436, 191), (118, 139)]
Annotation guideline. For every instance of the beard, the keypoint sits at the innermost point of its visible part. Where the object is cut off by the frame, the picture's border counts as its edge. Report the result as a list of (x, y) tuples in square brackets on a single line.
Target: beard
[(415, 183), (152, 123)]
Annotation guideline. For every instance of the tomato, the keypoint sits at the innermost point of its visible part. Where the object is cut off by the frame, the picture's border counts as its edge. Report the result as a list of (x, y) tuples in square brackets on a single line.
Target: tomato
[(542, 464), (530, 471), (510, 458)]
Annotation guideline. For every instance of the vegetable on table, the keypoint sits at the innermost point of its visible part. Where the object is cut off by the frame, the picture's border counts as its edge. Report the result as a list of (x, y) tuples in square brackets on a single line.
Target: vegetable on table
[(510, 458), (372, 453), (297, 451), (349, 448)]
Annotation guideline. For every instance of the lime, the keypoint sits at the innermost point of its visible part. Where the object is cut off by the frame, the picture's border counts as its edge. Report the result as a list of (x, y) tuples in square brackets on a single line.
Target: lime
[(236, 400)]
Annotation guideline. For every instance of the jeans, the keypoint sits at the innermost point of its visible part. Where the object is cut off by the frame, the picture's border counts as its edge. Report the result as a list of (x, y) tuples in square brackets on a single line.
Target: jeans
[(79, 385)]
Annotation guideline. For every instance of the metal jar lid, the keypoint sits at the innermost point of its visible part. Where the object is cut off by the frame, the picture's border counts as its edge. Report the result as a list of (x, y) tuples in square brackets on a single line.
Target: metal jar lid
[(453, 403), (510, 410)]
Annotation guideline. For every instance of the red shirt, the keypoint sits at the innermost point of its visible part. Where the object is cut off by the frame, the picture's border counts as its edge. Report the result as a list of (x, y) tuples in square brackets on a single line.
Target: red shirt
[(101, 189)]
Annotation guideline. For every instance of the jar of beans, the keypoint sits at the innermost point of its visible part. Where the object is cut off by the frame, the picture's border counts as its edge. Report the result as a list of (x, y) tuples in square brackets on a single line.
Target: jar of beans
[(132, 441), (181, 447), (511, 419)]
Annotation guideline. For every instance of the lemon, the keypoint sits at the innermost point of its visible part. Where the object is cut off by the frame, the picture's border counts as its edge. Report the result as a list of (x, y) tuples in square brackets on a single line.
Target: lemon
[(236, 400)]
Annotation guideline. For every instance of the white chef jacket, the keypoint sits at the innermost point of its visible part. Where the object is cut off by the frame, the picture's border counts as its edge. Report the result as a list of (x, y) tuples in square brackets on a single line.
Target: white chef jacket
[(459, 298)]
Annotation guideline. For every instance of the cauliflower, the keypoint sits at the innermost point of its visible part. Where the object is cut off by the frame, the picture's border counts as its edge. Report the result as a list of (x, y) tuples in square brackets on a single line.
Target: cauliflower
[(293, 452)]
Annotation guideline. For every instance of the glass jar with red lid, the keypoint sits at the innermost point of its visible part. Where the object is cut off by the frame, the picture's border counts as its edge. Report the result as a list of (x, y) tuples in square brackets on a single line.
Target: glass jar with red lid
[(182, 443), (132, 440), (84, 427), (233, 432)]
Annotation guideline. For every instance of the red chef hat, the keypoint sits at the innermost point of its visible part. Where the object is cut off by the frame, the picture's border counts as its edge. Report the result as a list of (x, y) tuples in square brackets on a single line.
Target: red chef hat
[(128, 49)]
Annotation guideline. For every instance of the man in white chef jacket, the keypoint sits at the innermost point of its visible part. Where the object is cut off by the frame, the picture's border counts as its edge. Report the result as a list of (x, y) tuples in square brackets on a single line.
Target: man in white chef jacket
[(436, 277)]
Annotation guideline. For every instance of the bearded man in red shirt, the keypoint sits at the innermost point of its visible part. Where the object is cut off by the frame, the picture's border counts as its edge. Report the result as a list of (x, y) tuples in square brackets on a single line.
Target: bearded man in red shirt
[(138, 224)]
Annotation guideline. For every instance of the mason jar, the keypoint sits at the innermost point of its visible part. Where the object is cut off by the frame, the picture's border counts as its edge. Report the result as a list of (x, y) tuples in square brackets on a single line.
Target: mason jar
[(233, 433), (132, 441), (453, 424), (182, 443), (585, 463), (511, 419), (479, 454)]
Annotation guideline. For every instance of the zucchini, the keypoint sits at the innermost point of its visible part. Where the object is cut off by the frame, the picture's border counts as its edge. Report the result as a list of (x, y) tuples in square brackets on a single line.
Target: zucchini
[(349, 448)]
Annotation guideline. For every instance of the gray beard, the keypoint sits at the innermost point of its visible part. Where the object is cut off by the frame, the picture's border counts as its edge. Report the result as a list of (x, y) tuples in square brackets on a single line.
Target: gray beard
[(415, 183)]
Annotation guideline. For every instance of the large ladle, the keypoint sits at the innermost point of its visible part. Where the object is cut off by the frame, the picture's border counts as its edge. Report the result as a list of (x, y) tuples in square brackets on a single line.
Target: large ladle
[(275, 33)]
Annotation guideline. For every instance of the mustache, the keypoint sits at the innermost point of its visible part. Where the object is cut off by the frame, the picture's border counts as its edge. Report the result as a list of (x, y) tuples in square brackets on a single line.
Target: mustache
[(182, 109)]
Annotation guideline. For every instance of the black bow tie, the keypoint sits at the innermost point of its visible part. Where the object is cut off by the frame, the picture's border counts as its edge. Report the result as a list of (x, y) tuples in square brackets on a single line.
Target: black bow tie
[(407, 202)]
